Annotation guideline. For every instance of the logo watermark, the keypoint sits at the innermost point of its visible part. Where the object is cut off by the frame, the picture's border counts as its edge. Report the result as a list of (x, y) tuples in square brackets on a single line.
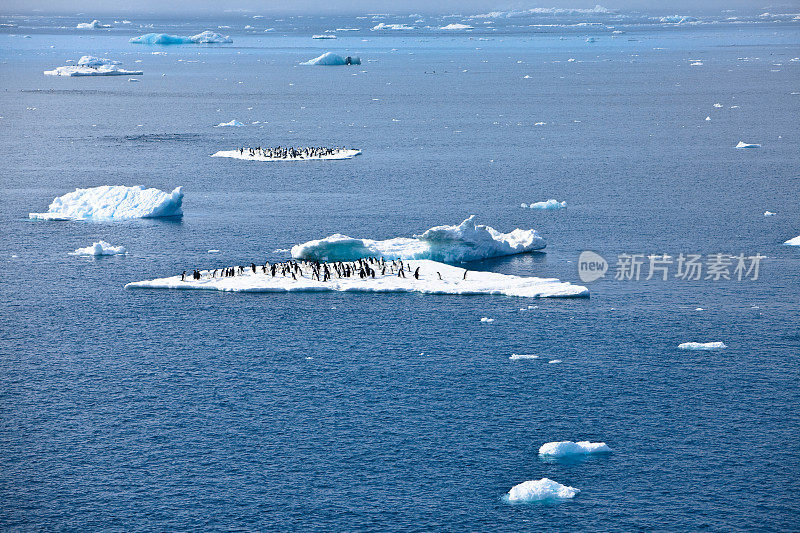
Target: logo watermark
[(686, 267)]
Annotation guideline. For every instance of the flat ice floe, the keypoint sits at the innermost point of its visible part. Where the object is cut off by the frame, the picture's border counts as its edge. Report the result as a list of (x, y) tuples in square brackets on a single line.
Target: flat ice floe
[(452, 282), (329, 59), (522, 356), (743, 144), (467, 241), (235, 154), (93, 25), (540, 490), (232, 124), (548, 204), (100, 248), (793, 242), (566, 448), (93, 66), (701, 346), (456, 26), (324, 36), (206, 37), (114, 202)]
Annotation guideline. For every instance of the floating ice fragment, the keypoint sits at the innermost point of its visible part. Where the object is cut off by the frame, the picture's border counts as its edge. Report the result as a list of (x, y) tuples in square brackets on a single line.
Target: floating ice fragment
[(519, 356), (93, 25), (768, 213), (555, 361), (487, 320), (793, 242), (93, 66), (100, 248), (114, 202), (743, 144), (329, 59), (456, 26), (206, 37), (232, 123), (701, 346), (548, 204), (540, 490), (567, 447)]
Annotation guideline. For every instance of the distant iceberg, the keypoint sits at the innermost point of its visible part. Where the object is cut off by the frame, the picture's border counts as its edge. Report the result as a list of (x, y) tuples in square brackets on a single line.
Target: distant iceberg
[(745, 145), (567, 447), (206, 37), (384, 26), (100, 248), (678, 19), (114, 202), (232, 124), (540, 490), (434, 278), (522, 356), (793, 242), (769, 214), (330, 59), (324, 36), (93, 66), (93, 25), (548, 204), (701, 346), (467, 241), (456, 26)]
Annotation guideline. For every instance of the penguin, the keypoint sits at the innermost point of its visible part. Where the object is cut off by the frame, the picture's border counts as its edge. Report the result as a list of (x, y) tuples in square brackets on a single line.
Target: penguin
[(183, 276), (465, 275), (416, 273)]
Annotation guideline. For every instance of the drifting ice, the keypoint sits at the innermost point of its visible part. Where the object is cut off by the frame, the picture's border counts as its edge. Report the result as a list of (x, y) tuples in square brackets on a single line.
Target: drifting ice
[(451, 244), (793, 242), (232, 123), (457, 27), (100, 248), (519, 356), (745, 145), (384, 26), (452, 282), (324, 36), (549, 204), (114, 203), (93, 25), (701, 346), (207, 37), (329, 59), (540, 490), (93, 66), (567, 447)]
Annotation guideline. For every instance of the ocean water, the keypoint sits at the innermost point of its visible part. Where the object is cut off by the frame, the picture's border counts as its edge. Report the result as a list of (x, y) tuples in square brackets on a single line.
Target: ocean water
[(160, 410)]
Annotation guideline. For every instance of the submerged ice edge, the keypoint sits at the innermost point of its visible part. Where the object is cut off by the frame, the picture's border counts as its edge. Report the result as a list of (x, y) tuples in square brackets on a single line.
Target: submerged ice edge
[(464, 242), (434, 278)]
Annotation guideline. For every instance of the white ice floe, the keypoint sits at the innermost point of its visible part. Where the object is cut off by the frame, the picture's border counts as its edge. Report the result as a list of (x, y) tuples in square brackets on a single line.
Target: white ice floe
[(746, 145), (329, 59), (456, 26), (769, 214), (93, 66), (206, 37), (232, 124), (555, 361), (467, 241), (540, 490), (566, 448), (520, 356), (717, 105), (793, 242), (384, 26), (338, 154), (324, 36), (487, 320), (100, 248), (93, 25), (701, 346), (452, 281), (114, 202), (548, 204)]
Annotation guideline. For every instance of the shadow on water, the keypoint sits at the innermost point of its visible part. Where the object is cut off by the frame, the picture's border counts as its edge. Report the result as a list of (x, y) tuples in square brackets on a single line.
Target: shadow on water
[(518, 261)]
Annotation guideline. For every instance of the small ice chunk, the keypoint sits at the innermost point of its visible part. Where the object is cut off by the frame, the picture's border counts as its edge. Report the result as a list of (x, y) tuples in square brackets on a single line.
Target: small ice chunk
[(540, 490), (324, 36), (487, 320), (717, 105), (743, 144), (519, 356), (793, 242), (329, 59), (555, 361), (100, 248), (548, 204), (233, 123), (702, 346), (456, 26), (708, 118), (567, 447), (768, 213), (93, 25)]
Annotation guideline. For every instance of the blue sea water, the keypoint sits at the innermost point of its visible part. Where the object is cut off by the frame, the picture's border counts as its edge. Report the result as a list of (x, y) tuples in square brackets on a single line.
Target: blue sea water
[(163, 410)]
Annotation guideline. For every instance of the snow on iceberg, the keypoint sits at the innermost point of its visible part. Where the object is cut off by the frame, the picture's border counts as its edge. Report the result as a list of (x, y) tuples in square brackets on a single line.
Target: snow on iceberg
[(452, 281), (114, 202), (93, 25), (456, 26), (746, 145), (793, 242), (329, 59), (206, 37), (567, 447), (549, 204), (540, 490), (233, 123), (701, 346), (467, 241), (93, 66), (100, 248)]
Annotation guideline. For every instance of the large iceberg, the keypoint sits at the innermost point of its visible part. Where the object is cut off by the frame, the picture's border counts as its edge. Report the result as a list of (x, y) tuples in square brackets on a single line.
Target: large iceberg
[(114, 202), (100, 248), (434, 278), (330, 59), (206, 37), (93, 25), (701, 346), (566, 448), (540, 490), (467, 241), (93, 66)]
